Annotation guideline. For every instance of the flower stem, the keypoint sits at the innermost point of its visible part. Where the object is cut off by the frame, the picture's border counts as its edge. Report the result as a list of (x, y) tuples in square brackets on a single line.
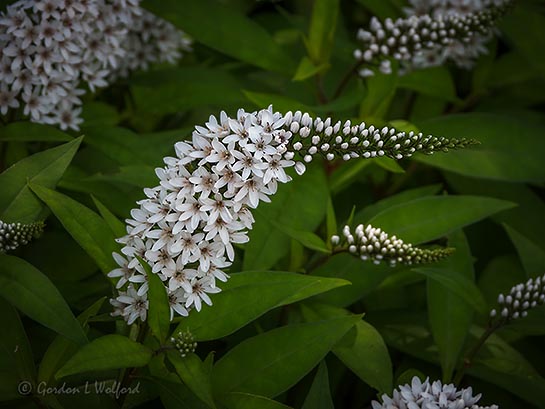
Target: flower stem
[(346, 79), (470, 356), (130, 373)]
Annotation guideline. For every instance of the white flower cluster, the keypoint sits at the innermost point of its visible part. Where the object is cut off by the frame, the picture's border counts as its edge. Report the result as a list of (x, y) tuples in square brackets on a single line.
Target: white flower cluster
[(371, 243), (521, 298), (49, 49), (423, 40), (186, 227), (463, 54), (426, 395), (13, 235)]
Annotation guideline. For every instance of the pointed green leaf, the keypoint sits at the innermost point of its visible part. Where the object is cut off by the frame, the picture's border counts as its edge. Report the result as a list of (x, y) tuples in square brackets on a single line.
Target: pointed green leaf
[(116, 226), (361, 349), (531, 255), (435, 82), (107, 352), (503, 153), (449, 314), (85, 226), (239, 400), (61, 349), (307, 69), (159, 308), (270, 363), (26, 288), (195, 374), (306, 238), (460, 285), (323, 23), (248, 295), (222, 28), (17, 203), (32, 132), (319, 395), (364, 215), (268, 244), (16, 361), (429, 218)]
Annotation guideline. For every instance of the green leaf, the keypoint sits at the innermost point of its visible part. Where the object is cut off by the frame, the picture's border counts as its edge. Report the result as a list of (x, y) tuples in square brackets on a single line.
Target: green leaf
[(306, 238), (175, 395), (31, 132), (503, 153), (99, 113), (222, 28), (319, 396), (349, 171), (195, 374), (268, 244), (388, 164), (361, 349), (331, 219), (365, 277), (107, 352), (85, 226), (280, 103), (239, 400), (307, 69), (499, 363), (16, 361), (528, 218), (322, 30), (429, 218), (460, 285), (380, 91), (382, 8), (159, 308), (61, 349), (176, 89), (17, 203), (435, 82), (270, 363), (116, 226), (364, 215), (524, 29), (449, 314), (531, 255), (34, 294), (249, 295)]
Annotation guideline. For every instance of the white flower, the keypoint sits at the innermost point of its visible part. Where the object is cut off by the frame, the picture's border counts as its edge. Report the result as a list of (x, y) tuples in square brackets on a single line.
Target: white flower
[(423, 395), (198, 293), (136, 306), (186, 227)]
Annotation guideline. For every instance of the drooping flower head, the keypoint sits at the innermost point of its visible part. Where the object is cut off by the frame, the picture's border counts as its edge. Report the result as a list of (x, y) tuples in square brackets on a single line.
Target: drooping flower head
[(13, 235), (433, 32), (427, 395), (187, 226), (51, 49)]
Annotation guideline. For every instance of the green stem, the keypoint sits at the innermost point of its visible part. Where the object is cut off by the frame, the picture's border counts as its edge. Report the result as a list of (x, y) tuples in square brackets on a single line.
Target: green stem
[(130, 373), (470, 356), (346, 79)]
